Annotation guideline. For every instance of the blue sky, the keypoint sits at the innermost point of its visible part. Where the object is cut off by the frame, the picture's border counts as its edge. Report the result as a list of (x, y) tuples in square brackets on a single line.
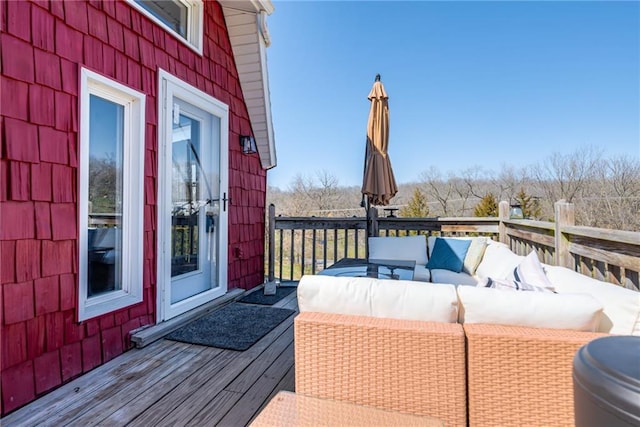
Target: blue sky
[(469, 83)]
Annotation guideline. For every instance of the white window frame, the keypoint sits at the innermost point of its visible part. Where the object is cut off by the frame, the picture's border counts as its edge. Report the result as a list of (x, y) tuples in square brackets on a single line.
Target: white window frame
[(195, 26), (133, 102)]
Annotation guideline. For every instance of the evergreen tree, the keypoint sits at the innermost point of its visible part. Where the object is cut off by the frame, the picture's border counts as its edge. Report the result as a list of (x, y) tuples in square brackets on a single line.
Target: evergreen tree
[(417, 206), (487, 206), (531, 209)]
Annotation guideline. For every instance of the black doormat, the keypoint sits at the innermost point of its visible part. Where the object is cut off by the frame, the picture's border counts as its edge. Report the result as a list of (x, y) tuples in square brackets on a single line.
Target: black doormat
[(235, 327), (258, 297)]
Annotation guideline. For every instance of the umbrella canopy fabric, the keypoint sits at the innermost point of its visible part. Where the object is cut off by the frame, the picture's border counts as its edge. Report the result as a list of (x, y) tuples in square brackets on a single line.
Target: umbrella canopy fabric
[(379, 184)]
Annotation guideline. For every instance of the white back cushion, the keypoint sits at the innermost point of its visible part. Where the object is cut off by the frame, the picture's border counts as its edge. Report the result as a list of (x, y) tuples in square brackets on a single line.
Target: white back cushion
[(411, 248), (498, 261), (398, 299), (580, 312), (621, 314)]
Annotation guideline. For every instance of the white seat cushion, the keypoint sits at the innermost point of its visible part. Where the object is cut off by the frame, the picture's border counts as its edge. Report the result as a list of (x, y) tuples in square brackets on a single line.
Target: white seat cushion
[(451, 277), (580, 312), (398, 299), (421, 273), (410, 248), (621, 314)]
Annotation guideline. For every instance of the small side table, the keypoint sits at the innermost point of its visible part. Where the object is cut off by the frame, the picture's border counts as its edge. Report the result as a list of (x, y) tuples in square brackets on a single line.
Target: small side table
[(290, 409)]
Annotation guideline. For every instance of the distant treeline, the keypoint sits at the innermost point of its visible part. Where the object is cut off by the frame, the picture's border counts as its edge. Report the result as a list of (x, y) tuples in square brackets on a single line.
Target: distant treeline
[(605, 191)]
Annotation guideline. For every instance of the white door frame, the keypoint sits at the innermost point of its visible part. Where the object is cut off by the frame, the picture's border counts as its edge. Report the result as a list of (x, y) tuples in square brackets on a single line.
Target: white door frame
[(170, 86)]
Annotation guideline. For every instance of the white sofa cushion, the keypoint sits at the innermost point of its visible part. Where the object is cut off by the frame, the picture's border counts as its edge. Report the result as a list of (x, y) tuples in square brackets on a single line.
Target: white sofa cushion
[(398, 299), (498, 261), (421, 273), (580, 312), (453, 278), (411, 248), (621, 314)]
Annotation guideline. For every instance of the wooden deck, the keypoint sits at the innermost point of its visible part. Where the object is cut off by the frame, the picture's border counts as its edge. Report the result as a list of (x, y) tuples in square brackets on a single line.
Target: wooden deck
[(173, 384)]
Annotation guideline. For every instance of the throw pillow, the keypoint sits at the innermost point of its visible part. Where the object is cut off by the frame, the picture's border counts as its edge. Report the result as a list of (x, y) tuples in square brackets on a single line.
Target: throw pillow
[(530, 271), (474, 255), (448, 254), (511, 285)]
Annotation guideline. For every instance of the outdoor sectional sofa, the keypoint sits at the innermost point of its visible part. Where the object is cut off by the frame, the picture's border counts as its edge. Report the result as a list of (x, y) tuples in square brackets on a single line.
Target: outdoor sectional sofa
[(468, 355)]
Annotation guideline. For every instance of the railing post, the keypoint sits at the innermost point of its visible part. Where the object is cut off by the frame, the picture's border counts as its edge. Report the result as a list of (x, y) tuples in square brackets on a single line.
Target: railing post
[(372, 227), (564, 216), (503, 214), (272, 242), (373, 217)]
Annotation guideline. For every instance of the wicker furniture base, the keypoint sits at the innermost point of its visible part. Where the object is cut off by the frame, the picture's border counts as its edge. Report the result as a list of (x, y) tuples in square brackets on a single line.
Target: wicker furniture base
[(521, 376), (405, 366), (290, 409)]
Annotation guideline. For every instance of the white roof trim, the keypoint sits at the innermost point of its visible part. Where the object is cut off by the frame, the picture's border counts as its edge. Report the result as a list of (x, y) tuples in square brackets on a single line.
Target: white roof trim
[(249, 36)]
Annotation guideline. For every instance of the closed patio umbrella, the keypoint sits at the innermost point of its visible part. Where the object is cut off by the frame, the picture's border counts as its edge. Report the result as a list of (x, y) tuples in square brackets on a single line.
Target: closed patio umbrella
[(378, 185)]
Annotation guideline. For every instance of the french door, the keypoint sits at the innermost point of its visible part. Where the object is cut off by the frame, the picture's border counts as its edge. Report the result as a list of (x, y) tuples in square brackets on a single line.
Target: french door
[(192, 197)]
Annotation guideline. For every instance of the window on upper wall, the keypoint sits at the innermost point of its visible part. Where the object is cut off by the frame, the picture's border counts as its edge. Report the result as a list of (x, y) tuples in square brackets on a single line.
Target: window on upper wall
[(111, 211), (181, 17)]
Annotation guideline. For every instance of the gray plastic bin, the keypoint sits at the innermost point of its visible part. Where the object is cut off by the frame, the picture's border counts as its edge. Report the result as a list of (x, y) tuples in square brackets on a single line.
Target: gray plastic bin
[(606, 382)]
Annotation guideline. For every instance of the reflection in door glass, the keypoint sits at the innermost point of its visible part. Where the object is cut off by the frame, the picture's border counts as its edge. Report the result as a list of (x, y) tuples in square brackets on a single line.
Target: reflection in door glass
[(187, 198)]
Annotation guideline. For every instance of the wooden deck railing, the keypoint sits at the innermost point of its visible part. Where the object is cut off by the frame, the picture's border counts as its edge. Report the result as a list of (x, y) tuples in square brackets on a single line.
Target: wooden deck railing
[(306, 245)]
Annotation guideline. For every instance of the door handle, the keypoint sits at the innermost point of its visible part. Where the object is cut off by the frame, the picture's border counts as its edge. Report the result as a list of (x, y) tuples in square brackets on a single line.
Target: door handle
[(224, 201)]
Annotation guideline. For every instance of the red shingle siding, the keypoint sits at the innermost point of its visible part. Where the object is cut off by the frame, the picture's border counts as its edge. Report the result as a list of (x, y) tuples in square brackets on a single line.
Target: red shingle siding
[(18, 386), (44, 45), (47, 371)]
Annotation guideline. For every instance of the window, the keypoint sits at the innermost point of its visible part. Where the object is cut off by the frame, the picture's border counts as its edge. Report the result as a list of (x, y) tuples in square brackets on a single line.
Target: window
[(110, 195), (181, 17)]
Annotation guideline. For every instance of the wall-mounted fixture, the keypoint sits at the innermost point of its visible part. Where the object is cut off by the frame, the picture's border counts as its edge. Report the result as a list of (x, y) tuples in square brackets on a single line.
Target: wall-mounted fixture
[(248, 144), (515, 212)]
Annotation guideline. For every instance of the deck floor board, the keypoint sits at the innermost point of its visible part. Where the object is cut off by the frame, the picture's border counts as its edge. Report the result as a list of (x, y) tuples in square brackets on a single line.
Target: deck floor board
[(170, 383)]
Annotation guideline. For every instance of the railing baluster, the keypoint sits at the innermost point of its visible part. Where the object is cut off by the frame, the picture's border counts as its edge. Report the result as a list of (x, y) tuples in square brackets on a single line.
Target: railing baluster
[(281, 254), (292, 259), (355, 233), (313, 252), (302, 257), (324, 248), (346, 243), (335, 245)]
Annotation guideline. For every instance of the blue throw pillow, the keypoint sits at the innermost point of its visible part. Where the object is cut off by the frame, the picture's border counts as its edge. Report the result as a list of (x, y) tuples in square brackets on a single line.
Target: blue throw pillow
[(448, 254)]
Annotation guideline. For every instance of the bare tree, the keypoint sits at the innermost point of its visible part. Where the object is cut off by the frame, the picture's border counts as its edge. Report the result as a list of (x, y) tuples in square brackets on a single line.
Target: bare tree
[(565, 176), (438, 189), (318, 193), (508, 181), (606, 192), (614, 197)]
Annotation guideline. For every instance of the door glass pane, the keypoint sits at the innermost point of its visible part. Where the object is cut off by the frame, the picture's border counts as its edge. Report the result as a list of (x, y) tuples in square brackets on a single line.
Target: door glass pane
[(172, 13), (106, 138), (187, 198)]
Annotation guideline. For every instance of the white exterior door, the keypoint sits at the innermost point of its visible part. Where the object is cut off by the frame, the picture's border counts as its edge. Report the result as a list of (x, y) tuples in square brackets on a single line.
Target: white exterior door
[(192, 197)]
